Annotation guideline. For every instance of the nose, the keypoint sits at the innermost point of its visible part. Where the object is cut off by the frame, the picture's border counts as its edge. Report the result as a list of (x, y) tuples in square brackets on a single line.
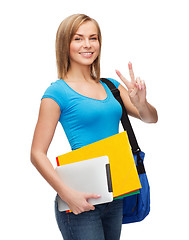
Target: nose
[(87, 43)]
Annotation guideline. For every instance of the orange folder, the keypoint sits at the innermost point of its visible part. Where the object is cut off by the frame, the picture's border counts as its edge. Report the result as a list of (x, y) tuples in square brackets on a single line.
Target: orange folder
[(124, 174)]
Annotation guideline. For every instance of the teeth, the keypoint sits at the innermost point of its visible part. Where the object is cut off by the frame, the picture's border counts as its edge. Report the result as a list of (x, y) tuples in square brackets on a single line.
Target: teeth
[(86, 54)]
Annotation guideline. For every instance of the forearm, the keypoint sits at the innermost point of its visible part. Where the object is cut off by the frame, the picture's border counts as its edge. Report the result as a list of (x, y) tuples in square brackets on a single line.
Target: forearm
[(46, 169), (147, 112)]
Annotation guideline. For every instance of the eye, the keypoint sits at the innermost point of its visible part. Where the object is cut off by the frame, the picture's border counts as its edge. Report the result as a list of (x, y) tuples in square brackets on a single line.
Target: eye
[(94, 38), (77, 39)]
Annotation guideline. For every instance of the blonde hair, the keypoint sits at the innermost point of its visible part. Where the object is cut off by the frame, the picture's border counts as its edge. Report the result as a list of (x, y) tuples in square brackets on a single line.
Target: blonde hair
[(65, 33)]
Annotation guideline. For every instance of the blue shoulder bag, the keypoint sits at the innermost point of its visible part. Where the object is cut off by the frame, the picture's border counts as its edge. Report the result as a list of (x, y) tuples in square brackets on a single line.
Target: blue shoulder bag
[(135, 207)]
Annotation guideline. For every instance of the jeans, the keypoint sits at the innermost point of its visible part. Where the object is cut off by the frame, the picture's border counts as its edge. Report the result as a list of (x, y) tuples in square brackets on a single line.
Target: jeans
[(103, 223)]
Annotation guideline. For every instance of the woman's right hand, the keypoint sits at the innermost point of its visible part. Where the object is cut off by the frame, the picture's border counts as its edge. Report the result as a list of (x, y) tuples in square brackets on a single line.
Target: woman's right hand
[(78, 201)]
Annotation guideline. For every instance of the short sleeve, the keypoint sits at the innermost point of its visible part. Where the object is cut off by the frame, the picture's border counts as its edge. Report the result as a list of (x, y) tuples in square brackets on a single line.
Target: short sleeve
[(55, 92), (115, 82)]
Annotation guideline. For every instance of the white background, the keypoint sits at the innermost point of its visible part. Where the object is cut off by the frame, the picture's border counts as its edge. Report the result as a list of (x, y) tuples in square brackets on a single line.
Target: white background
[(153, 35)]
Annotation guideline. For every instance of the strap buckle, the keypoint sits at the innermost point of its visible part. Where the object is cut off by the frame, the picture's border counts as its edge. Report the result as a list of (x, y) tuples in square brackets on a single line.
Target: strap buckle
[(136, 151)]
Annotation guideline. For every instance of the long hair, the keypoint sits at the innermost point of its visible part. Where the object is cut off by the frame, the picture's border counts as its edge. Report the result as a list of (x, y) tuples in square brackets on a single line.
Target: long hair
[(65, 33)]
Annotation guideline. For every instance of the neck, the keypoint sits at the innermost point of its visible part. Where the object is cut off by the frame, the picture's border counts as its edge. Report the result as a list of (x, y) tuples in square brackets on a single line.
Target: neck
[(79, 74)]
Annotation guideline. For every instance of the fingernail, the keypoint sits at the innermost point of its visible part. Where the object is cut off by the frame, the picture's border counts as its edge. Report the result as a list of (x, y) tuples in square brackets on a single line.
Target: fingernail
[(130, 65)]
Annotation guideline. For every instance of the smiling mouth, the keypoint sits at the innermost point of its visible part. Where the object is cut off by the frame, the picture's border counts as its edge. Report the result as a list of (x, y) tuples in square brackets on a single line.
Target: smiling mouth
[(86, 53)]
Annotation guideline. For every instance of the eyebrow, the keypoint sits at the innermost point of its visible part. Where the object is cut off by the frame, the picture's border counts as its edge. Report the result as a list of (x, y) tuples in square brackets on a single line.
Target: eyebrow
[(81, 35)]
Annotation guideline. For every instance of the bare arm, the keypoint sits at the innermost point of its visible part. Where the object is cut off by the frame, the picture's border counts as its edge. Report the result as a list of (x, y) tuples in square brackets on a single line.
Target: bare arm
[(145, 112), (48, 118)]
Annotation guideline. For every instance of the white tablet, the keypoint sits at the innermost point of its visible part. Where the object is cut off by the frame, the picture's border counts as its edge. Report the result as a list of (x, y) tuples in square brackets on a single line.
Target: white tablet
[(89, 176)]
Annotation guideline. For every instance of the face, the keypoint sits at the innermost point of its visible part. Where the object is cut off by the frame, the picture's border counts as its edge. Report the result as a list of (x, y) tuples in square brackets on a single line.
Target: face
[(84, 47)]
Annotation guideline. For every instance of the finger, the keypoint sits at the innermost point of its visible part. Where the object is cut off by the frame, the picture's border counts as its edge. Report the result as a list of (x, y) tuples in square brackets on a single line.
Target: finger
[(138, 83), (126, 82), (89, 196), (131, 72), (91, 207), (76, 212), (92, 195), (133, 92), (143, 84)]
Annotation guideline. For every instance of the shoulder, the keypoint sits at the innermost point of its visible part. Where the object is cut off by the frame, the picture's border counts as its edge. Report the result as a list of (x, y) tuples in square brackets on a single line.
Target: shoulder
[(115, 82), (56, 92), (55, 87)]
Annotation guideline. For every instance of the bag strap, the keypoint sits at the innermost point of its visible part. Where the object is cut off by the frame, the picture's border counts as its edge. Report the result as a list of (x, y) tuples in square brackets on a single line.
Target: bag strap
[(124, 119), (126, 125)]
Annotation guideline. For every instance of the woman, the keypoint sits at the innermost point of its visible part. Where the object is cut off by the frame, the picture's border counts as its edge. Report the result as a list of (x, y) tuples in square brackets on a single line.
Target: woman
[(83, 105)]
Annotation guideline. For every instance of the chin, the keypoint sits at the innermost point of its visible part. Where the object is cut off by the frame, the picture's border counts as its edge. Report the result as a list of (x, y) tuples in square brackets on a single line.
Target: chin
[(85, 62)]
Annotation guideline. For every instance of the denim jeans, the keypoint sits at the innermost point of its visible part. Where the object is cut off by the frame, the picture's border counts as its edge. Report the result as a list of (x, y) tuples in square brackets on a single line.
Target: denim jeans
[(103, 223)]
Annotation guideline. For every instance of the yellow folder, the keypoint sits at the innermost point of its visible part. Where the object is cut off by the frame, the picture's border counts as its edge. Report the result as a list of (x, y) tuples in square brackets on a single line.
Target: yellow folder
[(124, 174)]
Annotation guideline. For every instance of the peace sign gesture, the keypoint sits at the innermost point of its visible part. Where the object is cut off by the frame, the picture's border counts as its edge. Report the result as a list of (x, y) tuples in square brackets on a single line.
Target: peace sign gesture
[(136, 87)]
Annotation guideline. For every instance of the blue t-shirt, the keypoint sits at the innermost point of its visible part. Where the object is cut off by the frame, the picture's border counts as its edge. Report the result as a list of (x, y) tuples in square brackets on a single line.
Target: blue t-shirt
[(85, 120)]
